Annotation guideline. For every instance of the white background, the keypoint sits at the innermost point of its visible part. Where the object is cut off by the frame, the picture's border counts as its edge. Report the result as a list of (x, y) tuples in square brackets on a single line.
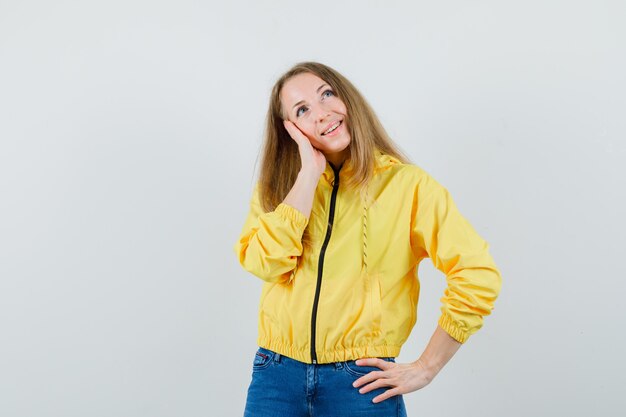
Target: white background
[(129, 135)]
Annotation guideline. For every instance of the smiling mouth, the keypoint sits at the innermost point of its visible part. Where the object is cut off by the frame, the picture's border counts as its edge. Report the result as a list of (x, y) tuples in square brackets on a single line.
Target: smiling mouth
[(335, 128)]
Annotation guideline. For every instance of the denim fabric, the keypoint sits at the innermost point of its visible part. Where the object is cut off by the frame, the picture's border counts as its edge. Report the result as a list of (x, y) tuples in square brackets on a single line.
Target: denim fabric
[(284, 387)]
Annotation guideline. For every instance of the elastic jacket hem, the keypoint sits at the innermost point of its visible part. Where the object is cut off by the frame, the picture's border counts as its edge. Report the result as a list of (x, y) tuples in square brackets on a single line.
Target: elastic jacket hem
[(330, 356)]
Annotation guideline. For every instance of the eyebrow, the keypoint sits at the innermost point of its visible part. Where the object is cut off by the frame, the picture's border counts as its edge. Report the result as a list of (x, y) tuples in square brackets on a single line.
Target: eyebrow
[(302, 101)]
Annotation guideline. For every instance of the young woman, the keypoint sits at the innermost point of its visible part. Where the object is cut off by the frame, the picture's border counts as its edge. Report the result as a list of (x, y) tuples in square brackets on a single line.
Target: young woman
[(339, 221)]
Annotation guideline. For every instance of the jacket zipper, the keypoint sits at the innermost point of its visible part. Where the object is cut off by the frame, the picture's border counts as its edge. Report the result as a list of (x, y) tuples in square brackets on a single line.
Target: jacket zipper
[(320, 266)]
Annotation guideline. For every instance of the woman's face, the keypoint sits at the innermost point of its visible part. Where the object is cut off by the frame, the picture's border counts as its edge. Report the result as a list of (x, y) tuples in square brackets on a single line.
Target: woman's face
[(311, 104)]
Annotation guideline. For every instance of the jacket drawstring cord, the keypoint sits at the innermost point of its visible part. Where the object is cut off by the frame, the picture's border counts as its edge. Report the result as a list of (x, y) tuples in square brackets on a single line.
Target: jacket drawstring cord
[(365, 231)]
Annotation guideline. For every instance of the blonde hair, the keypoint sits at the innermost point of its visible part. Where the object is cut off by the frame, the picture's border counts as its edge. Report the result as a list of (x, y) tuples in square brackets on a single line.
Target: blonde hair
[(280, 161)]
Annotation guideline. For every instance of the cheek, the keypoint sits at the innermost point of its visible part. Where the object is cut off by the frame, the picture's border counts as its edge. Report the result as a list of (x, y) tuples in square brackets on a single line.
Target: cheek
[(341, 107)]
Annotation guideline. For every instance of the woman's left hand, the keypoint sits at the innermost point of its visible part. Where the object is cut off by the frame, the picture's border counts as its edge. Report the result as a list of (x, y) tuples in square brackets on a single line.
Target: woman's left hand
[(401, 377)]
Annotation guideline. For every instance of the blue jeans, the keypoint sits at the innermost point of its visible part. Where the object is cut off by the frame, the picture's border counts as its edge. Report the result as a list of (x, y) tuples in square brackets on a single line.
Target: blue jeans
[(285, 387)]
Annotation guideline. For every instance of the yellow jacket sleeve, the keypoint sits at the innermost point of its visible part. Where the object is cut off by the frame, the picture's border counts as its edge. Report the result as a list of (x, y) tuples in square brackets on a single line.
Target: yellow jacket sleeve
[(440, 232), (270, 243)]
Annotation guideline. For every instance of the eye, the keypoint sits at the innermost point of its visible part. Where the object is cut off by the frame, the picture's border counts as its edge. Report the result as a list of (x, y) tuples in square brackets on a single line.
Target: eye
[(298, 111), (323, 95)]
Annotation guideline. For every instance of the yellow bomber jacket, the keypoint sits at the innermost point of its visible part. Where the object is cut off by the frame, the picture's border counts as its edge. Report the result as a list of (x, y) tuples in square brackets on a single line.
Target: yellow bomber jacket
[(354, 294)]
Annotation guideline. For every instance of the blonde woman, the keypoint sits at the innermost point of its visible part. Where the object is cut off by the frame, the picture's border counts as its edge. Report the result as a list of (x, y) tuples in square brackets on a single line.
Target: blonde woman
[(339, 221)]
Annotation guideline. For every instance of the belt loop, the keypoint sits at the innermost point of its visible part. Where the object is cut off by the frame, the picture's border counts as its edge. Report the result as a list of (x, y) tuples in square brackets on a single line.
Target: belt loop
[(277, 357), (338, 365)]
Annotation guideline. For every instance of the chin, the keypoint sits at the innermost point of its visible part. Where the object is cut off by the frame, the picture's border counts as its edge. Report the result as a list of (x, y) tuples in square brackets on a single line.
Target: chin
[(332, 150), (335, 146)]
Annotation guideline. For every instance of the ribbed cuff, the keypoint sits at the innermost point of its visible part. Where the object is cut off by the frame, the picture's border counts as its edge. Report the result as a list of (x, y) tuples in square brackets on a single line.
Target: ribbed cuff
[(450, 326), (292, 214)]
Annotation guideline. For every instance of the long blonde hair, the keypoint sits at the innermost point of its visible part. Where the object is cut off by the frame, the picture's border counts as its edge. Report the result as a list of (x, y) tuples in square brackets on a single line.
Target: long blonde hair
[(280, 161)]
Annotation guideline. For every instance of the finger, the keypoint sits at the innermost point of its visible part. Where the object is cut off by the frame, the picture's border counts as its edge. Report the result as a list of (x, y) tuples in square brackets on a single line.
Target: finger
[(379, 363), (367, 361), (372, 376), (380, 382), (291, 127), (295, 133), (385, 395), (288, 127)]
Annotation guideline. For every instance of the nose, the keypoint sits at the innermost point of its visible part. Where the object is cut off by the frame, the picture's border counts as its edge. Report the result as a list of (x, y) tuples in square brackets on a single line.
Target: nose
[(322, 114)]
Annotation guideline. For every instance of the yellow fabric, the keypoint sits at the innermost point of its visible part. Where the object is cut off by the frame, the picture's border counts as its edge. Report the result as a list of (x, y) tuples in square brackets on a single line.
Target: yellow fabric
[(369, 288)]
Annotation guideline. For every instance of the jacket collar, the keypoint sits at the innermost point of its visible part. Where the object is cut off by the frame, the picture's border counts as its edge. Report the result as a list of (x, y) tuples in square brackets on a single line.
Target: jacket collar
[(383, 161), (329, 171)]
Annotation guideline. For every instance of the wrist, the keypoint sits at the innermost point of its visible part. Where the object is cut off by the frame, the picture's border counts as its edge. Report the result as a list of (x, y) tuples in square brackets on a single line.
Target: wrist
[(308, 175), (431, 369)]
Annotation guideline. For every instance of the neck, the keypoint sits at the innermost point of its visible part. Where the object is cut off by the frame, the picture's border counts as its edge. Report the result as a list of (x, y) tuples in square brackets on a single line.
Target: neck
[(337, 159)]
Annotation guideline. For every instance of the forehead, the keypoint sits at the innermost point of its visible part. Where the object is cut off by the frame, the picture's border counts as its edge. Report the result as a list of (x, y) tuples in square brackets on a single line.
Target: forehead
[(299, 87)]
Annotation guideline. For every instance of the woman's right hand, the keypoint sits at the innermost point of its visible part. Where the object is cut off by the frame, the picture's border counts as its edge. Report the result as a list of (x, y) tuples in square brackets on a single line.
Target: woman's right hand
[(312, 159)]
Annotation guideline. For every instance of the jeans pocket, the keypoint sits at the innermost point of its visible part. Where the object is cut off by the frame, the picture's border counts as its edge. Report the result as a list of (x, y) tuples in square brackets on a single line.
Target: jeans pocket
[(262, 359), (352, 368)]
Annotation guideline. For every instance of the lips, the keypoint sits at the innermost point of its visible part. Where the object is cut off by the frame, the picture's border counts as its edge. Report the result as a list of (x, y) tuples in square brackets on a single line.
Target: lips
[(331, 125)]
